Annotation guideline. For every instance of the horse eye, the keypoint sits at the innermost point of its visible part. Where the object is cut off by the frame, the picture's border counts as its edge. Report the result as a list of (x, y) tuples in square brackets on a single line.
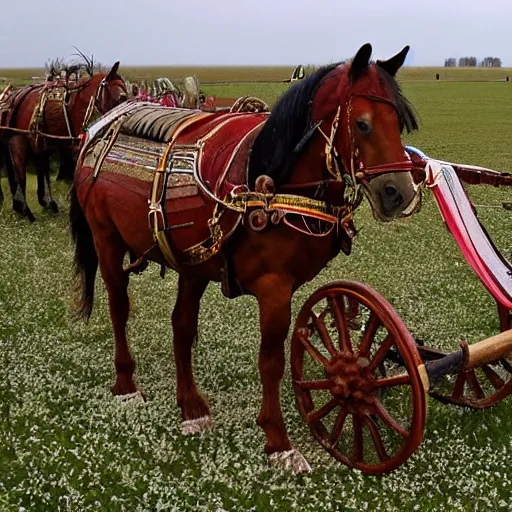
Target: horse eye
[(363, 126)]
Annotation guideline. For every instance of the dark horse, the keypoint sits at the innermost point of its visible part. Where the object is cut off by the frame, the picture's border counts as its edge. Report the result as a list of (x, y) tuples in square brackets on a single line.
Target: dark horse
[(330, 139), (39, 134)]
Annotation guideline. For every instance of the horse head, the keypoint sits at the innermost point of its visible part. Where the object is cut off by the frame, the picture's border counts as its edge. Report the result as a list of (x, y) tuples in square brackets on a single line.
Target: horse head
[(362, 114), (112, 90), (342, 126)]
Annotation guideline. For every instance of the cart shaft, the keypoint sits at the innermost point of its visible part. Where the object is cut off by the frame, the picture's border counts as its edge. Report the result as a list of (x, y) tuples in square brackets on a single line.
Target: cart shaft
[(490, 349), (469, 357)]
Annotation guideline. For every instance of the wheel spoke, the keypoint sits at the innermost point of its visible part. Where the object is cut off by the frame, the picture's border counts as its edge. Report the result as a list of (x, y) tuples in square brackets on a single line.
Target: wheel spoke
[(352, 311), (381, 353), (338, 425), (323, 411), (369, 333), (458, 389), (324, 335), (313, 352), (396, 380), (506, 365), (341, 323), (314, 384), (493, 377), (357, 423), (384, 415), (376, 438), (474, 385)]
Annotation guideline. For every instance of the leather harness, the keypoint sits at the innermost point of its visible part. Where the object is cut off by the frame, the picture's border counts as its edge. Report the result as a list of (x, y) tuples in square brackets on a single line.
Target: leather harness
[(276, 206)]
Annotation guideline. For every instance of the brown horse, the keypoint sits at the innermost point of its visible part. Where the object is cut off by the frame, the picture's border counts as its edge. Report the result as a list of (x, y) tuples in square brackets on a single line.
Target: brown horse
[(52, 130), (329, 140)]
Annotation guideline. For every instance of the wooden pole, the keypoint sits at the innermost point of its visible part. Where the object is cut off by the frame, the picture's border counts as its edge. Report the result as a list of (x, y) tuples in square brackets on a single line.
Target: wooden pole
[(490, 349)]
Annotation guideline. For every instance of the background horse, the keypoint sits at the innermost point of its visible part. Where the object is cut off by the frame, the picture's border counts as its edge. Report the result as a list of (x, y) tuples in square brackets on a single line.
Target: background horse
[(38, 134), (166, 93), (332, 137)]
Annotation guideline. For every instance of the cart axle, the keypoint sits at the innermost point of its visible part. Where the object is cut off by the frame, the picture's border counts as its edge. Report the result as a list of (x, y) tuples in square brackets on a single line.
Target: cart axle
[(449, 364)]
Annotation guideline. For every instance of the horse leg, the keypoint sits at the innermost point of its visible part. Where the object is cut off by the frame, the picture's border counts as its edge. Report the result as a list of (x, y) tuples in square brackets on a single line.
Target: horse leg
[(194, 406), (44, 193), (274, 300), (66, 165), (111, 251), (16, 164), (1, 191), (40, 183), (52, 204), (2, 166)]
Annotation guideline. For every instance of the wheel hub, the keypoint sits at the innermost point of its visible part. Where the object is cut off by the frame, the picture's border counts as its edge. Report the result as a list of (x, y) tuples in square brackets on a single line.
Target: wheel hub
[(351, 381)]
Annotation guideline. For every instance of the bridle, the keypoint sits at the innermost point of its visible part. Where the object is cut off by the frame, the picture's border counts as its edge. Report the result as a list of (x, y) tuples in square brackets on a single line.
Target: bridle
[(364, 173), (354, 164), (98, 98), (96, 103), (349, 169)]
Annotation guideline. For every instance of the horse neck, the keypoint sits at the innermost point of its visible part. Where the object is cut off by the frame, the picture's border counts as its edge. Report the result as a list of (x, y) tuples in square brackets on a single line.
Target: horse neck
[(87, 90), (310, 166)]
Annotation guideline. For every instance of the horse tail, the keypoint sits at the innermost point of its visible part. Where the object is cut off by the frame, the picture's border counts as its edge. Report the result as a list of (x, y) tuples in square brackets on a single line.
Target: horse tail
[(86, 259)]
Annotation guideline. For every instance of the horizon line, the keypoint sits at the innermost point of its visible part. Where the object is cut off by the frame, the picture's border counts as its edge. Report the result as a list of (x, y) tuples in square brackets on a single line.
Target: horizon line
[(254, 66)]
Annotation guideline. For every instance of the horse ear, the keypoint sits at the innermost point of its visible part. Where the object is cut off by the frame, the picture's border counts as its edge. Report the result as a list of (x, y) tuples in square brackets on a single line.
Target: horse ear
[(113, 72), (360, 62), (393, 64)]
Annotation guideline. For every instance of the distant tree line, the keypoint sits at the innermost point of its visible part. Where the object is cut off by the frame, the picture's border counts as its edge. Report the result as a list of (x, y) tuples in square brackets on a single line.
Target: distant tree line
[(491, 62), (471, 62), (467, 62)]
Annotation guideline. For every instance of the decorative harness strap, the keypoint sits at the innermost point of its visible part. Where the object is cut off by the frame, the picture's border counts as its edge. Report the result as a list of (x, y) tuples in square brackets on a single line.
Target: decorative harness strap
[(156, 216), (277, 206), (5, 92), (50, 92), (94, 106)]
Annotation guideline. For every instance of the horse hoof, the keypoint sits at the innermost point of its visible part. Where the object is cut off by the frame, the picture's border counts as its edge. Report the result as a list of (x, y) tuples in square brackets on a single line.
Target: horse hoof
[(50, 207), (189, 427), (136, 397), (23, 210), (290, 460)]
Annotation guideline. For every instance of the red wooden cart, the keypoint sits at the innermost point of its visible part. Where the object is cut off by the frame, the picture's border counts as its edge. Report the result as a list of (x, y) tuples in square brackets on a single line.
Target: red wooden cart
[(360, 378)]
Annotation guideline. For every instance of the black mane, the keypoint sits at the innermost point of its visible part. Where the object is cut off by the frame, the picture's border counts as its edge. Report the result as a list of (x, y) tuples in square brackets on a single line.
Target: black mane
[(88, 63), (274, 150), (57, 67)]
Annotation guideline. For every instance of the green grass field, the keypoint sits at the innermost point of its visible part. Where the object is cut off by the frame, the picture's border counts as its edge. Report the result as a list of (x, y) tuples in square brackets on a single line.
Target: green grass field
[(22, 76), (67, 444)]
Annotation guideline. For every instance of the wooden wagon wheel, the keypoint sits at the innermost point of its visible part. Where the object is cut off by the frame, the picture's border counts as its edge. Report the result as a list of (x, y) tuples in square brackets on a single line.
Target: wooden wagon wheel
[(357, 377), (481, 387)]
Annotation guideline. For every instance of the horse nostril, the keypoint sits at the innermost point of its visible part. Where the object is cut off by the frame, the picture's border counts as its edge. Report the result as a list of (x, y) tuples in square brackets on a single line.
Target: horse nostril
[(393, 195), (390, 191)]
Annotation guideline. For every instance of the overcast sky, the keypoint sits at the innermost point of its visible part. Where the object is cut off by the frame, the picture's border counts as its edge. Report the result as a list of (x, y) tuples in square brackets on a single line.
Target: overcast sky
[(237, 32)]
